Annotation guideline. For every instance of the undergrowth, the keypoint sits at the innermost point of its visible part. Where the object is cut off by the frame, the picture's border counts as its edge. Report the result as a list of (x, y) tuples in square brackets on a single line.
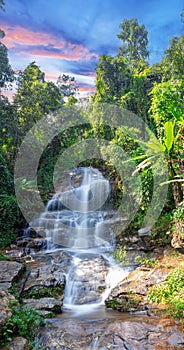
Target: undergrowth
[(23, 322), (171, 293)]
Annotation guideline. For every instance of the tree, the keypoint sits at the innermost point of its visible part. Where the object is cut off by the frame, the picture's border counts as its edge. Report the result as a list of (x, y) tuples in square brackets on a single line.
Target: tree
[(173, 62), (6, 72), (35, 97), (113, 79), (135, 41), (68, 88), (167, 112), (137, 99)]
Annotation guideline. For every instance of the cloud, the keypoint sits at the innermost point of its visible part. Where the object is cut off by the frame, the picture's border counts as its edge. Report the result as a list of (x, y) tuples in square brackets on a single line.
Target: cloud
[(21, 40)]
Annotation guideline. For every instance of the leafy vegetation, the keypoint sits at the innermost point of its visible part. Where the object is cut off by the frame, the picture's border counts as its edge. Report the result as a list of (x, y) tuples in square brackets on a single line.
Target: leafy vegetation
[(45, 292), (23, 322), (120, 255), (171, 293), (131, 157), (154, 93)]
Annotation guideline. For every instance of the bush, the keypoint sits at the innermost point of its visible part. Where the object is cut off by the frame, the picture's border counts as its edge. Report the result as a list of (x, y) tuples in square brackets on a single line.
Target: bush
[(171, 293), (10, 219), (23, 322)]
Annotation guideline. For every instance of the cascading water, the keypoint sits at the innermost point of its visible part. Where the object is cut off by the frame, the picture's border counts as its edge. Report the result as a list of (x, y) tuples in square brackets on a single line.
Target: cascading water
[(76, 219)]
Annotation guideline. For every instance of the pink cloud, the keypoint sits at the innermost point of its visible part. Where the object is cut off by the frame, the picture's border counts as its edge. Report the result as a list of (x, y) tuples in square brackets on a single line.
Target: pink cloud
[(24, 41)]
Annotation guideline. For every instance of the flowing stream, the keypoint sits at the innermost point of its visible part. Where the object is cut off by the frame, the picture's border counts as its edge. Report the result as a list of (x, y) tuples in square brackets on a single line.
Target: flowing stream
[(76, 219)]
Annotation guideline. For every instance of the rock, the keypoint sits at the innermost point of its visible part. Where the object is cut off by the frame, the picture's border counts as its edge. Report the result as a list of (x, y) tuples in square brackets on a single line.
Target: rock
[(55, 205), (130, 294), (144, 234), (10, 272), (5, 310), (44, 281), (135, 333), (15, 253), (87, 279), (23, 242), (37, 243), (18, 343), (64, 260), (177, 241), (44, 305)]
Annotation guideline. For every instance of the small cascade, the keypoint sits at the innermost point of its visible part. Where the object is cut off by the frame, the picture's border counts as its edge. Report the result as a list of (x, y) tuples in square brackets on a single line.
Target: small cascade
[(76, 220)]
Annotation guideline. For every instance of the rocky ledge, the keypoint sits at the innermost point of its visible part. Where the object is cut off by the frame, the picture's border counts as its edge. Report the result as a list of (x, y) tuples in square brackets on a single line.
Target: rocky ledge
[(135, 333)]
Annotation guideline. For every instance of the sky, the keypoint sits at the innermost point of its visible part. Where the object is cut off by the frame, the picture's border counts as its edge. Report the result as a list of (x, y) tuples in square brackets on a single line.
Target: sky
[(69, 36)]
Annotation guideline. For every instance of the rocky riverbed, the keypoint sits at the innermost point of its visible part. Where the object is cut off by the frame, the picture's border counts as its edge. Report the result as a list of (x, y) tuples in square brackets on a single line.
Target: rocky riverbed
[(39, 282)]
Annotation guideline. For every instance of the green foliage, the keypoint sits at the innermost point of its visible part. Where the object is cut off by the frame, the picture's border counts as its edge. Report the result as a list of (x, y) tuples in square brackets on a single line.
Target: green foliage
[(169, 135), (112, 304), (3, 258), (34, 98), (7, 132), (120, 255), (146, 261), (173, 62), (6, 72), (68, 88), (113, 79), (161, 231), (10, 219), (171, 293), (135, 41), (45, 292), (23, 322)]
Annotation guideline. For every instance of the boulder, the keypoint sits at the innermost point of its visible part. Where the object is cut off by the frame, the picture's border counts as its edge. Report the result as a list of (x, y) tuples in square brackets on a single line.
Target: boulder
[(5, 309), (44, 281), (10, 272), (130, 294), (44, 306), (18, 343)]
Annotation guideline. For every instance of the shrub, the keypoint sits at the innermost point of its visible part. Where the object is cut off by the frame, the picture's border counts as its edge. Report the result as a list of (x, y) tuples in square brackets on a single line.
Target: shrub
[(23, 322), (10, 218), (171, 293)]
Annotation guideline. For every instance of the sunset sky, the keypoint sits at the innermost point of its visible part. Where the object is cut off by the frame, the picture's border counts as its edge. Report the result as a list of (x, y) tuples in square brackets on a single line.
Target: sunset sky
[(69, 36)]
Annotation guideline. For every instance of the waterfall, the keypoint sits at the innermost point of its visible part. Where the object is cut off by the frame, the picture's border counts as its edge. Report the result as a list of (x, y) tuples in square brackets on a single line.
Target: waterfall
[(76, 220)]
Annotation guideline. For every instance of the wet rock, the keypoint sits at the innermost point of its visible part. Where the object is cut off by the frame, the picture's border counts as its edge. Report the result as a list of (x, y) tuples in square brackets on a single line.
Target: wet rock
[(44, 305), (130, 294), (10, 272), (44, 280), (5, 309), (136, 333), (30, 232), (18, 343), (15, 253), (55, 205), (64, 260), (23, 242), (87, 279), (37, 244)]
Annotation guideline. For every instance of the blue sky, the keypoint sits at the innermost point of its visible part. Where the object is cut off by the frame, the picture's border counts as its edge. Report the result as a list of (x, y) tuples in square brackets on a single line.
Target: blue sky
[(69, 36)]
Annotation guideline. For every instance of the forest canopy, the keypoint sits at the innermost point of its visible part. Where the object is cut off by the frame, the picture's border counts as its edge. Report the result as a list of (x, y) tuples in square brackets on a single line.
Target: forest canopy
[(153, 92)]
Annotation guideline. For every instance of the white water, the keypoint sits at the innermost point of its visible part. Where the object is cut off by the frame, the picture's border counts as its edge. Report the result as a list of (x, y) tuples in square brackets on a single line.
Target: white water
[(74, 219)]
